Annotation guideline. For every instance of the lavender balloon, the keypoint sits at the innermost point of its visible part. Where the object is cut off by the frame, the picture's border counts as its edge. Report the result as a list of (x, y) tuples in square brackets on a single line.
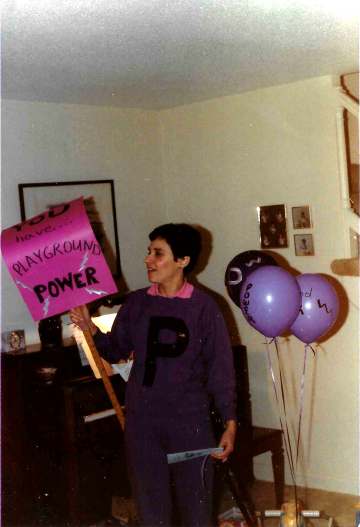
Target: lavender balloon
[(270, 300), (319, 309)]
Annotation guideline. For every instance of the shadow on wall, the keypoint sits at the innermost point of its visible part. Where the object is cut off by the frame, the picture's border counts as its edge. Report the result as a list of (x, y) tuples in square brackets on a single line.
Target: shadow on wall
[(222, 302), (283, 263), (354, 186), (343, 307)]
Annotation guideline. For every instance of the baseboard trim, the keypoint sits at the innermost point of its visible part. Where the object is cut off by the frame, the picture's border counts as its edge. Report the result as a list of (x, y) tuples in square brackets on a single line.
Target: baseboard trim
[(309, 480)]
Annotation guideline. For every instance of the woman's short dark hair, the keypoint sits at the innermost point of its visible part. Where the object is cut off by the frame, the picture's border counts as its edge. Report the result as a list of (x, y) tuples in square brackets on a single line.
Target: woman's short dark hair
[(183, 239)]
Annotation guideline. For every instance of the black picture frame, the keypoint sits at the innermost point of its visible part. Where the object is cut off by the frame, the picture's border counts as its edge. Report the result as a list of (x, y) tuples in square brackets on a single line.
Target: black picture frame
[(273, 227), (99, 199)]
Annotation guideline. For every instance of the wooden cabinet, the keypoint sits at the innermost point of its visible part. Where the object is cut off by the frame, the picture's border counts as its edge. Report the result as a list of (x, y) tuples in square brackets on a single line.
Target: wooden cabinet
[(57, 469)]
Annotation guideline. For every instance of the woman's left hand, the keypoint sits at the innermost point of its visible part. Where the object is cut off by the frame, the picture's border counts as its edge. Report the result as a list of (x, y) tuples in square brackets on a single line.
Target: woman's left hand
[(227, 442)]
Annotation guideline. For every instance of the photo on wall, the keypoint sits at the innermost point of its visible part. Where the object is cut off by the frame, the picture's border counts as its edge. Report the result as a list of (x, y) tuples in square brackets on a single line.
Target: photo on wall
[(273, 227), (301, 217), (304, 245)]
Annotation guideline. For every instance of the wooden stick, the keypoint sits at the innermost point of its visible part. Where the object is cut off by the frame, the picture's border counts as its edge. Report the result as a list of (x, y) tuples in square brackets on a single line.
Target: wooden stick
[(105, 378)]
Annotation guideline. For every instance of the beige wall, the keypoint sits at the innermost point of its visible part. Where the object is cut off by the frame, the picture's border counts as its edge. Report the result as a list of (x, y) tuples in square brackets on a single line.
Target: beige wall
[(212, 164), (54, 142), (223, 158)]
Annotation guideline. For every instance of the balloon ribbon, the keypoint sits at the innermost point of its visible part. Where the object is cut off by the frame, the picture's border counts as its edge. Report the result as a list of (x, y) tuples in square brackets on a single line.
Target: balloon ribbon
[(286, 437), (301, 400)]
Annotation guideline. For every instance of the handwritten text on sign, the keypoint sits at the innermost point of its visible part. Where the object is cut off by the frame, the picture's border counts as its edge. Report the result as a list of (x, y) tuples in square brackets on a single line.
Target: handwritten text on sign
[(55, 260)]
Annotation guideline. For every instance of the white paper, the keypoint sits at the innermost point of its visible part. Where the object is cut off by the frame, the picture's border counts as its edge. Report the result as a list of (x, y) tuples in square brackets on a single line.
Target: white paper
[(124, 369)]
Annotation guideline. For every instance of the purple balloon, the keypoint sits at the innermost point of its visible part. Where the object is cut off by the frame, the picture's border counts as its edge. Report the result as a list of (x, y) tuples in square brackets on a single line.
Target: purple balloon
[(319, 309), (270, 300), (240, 267)]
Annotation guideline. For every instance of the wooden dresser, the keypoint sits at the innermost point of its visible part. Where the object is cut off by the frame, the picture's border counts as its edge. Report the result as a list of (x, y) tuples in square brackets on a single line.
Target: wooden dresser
[(57, 469)]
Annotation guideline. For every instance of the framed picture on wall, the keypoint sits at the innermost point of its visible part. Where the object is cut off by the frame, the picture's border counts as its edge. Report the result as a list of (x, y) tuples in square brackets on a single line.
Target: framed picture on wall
[(304, 245), (273, 226), (301, 217), (99, 199)]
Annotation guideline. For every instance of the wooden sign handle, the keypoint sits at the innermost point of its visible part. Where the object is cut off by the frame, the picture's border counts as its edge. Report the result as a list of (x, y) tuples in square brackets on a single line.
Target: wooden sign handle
[(105, 378)]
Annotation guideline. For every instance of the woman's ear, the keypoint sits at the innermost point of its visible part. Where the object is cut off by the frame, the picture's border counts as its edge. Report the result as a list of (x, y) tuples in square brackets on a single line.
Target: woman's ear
[(183, 262)]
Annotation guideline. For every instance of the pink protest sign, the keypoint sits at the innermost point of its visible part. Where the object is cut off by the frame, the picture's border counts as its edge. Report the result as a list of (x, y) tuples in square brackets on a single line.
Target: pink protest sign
[(55, 260)]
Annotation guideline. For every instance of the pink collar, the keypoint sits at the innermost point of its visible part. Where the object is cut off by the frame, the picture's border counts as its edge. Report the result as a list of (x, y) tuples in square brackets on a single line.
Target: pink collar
[(185, 291)]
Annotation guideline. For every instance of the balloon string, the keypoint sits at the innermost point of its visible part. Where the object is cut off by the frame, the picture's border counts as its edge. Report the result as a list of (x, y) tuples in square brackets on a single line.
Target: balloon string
[(291, 459), (203, 472), (281, 423), (312, 349), (301, 405), (283, 399)]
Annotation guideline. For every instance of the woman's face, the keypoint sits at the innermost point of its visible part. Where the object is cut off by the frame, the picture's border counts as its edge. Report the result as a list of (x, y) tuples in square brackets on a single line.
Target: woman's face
[(160, 263)]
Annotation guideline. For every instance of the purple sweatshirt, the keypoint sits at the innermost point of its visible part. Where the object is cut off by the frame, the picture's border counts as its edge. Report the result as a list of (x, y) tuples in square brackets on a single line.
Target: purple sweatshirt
[(182, 354)]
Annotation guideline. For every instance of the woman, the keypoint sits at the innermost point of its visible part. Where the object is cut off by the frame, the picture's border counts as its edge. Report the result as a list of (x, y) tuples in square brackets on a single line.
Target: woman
[(182, 355), (303, 221)]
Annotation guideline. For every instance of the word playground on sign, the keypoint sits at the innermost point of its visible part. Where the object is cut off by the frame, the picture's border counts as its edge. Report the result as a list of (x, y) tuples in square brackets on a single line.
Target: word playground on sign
[(50, 251)]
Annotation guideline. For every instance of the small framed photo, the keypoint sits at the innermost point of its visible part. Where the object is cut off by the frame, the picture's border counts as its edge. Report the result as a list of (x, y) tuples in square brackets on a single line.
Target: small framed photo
[(273, 226), (304, 245), (301, 217)]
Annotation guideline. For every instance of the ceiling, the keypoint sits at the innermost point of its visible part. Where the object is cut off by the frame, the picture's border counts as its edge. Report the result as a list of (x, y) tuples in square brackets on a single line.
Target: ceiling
[(164, 53)]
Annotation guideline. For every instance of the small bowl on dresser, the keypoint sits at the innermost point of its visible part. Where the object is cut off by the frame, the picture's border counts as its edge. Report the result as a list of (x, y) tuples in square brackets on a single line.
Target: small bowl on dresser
[(46, 373)]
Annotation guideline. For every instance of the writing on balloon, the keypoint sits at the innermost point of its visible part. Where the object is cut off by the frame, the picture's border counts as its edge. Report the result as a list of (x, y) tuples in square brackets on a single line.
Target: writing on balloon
[(257, 261), (325, 306), (246, 303), (307, 295), (238, 278), (320, 305)]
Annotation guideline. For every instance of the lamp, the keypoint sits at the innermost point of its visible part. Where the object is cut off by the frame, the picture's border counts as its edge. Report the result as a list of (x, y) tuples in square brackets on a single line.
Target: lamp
[(104, 323)]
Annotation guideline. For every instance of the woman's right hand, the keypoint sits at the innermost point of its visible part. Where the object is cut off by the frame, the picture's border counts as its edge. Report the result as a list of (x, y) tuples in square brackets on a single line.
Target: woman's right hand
[(81, 317)]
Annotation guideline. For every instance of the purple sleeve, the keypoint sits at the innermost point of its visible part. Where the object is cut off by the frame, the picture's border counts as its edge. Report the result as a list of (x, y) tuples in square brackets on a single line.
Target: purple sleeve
[(116, 344), (221, 373)]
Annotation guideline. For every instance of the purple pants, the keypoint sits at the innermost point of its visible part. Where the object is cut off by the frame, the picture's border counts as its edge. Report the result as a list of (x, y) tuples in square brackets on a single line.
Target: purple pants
[(148, 441)]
